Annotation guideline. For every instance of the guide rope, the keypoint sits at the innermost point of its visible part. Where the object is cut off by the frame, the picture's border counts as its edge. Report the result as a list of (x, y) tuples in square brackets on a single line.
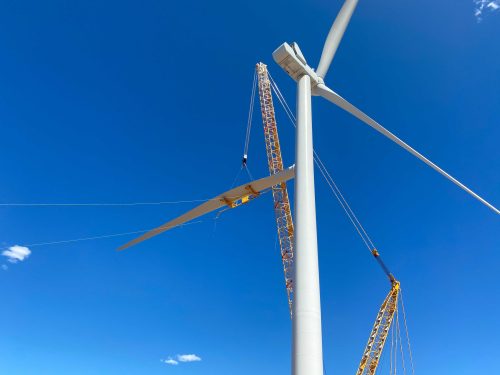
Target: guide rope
[(100, 204), (102, 236), (118, 204)]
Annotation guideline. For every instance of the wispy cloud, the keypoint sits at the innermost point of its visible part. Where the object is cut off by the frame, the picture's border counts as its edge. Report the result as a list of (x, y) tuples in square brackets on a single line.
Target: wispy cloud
[(181, 358), (483, 6), (4, 267), (16, 253), (170, 361), (188, 358)]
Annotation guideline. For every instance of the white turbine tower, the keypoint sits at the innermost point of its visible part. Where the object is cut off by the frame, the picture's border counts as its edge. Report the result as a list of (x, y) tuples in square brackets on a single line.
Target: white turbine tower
[(307, 351)]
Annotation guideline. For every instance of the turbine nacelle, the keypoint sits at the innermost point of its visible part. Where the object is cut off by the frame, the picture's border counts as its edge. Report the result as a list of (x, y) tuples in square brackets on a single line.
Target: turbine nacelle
[(291, 59)]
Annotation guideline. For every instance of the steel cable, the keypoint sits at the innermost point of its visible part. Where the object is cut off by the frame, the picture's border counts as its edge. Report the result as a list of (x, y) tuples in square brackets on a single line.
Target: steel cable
[(250, 116), (326, 174)]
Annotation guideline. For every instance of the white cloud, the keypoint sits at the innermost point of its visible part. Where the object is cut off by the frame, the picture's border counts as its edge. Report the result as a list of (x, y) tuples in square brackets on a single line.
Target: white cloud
[(188, 358), (170, 361), (181, 358), (4, 267), (481, 6), (16, 253)]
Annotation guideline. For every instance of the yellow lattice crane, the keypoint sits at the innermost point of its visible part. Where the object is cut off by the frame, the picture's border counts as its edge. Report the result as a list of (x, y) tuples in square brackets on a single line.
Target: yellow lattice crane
[(379, 333), (383, 321)]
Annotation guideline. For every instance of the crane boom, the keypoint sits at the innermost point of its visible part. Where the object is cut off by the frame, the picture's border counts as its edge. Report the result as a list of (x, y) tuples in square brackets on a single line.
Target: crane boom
[(280, 194), (378, 335)]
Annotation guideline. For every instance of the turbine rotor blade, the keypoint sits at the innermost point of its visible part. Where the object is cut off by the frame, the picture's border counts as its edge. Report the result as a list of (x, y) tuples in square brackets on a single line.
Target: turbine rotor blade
[(336, 99), (241, 194), (335, 36)]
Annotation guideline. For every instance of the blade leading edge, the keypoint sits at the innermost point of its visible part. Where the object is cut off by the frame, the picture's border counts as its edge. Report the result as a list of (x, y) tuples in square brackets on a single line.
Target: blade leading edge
[(335, 36)]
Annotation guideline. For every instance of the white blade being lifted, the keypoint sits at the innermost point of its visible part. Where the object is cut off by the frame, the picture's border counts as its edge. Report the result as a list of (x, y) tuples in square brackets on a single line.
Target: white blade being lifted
[(336, 99), (232, 198)]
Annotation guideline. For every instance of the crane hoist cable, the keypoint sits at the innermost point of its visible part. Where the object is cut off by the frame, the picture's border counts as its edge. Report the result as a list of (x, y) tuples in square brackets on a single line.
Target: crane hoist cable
[(397, 341), (407, 334), (244, 158), (336, 190), (249, 122), (398, 330), (392, 351), (324, 171)]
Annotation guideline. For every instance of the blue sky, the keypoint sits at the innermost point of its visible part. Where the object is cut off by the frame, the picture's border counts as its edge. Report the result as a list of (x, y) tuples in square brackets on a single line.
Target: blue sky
[(106, 101)]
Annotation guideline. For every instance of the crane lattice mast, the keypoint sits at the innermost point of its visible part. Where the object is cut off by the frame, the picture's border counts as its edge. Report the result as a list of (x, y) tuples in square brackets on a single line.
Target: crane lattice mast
[(379, 333), (280, 194)]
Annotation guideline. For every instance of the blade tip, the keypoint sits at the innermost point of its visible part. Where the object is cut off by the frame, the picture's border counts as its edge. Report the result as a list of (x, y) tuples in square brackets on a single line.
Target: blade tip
[(123, 247)]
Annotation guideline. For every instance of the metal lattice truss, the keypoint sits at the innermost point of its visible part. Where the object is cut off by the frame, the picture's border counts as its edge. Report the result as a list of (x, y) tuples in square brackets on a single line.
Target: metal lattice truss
[(280, 194), (380, 331)]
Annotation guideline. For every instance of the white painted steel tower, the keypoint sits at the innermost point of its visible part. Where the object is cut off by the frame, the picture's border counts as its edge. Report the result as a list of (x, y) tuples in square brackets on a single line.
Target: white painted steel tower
[(307, 351), (307, 346)]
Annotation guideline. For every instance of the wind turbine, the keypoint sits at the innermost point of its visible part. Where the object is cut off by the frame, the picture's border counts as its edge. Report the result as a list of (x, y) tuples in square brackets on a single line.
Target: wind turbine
[(307, 351)]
